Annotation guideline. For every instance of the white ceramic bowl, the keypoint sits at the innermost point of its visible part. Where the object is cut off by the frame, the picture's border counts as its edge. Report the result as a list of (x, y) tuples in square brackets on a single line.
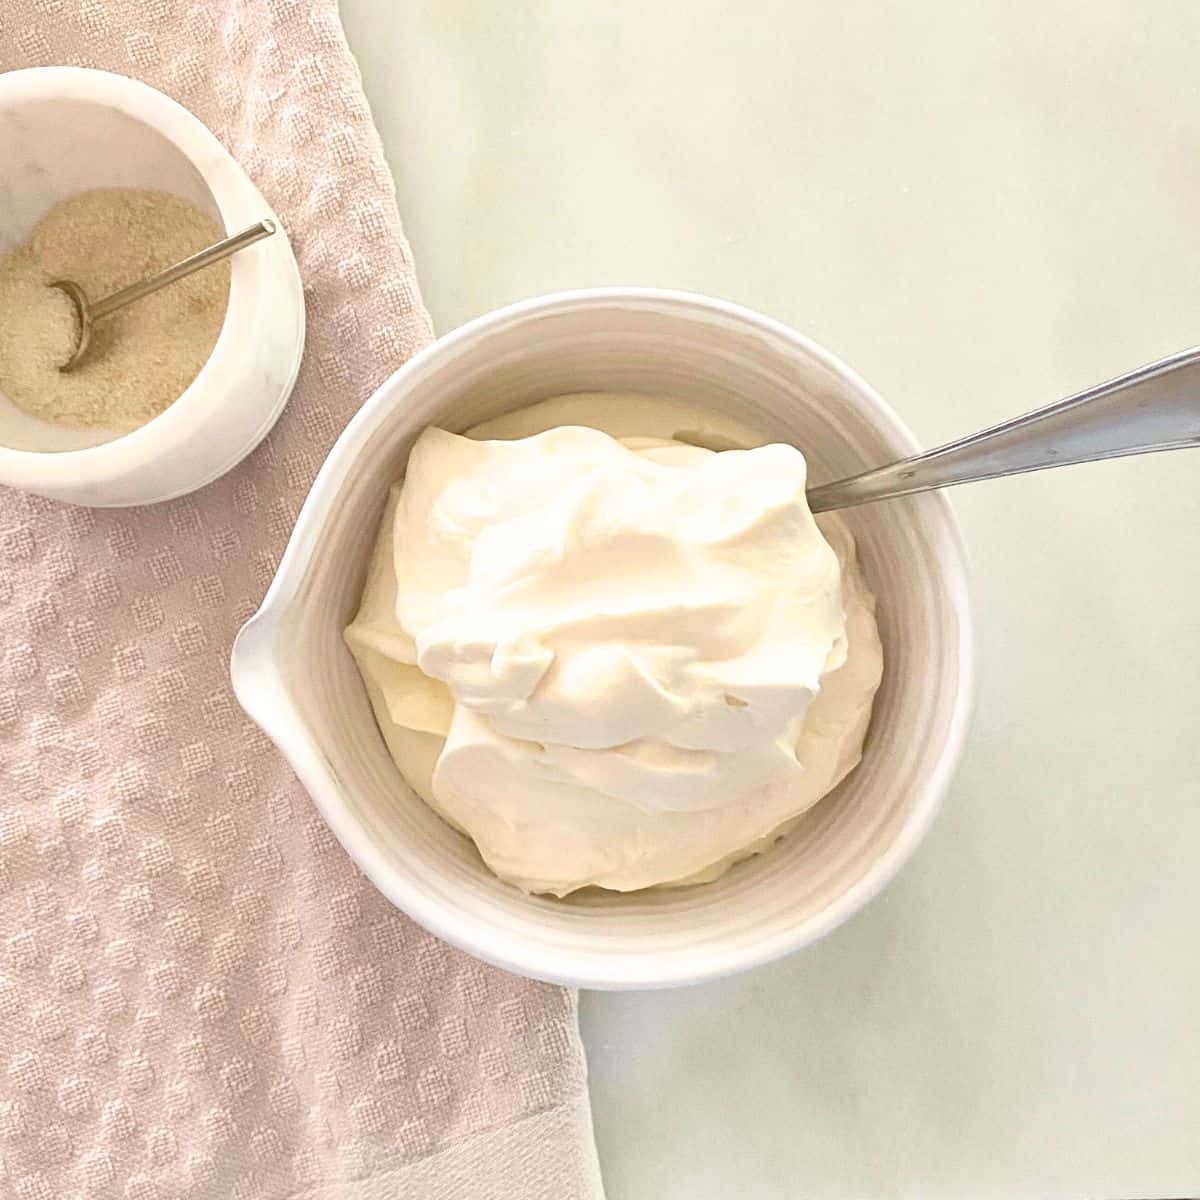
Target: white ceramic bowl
[(295, 677), (66, 129)]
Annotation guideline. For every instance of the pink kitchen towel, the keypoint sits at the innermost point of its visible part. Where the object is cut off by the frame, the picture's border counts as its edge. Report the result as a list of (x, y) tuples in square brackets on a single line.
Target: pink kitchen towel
[(200, 996)]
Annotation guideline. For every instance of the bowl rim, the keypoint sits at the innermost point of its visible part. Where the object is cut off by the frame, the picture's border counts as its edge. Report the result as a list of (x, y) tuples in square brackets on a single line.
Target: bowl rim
[(253, 657), (199, 146)]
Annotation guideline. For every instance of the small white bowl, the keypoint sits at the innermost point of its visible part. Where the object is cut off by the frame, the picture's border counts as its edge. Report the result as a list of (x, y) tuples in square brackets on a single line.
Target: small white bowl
[(295, 677), (66, 129)]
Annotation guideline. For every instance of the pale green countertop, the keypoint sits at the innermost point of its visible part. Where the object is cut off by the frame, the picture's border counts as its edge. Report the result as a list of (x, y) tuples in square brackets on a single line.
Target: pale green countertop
[(981, 206)]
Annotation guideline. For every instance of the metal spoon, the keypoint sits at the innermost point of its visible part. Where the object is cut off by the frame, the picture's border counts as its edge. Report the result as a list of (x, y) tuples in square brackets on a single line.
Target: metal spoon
[(87, 313), (1156, 407)]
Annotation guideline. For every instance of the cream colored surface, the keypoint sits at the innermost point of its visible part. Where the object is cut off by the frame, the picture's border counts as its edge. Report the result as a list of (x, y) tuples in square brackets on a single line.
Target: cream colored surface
[(615, 662), (982, 207)]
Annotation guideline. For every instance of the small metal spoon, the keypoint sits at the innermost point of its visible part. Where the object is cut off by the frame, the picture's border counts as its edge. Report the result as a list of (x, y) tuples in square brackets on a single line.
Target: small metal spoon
[(1156, 407), (86, 313)]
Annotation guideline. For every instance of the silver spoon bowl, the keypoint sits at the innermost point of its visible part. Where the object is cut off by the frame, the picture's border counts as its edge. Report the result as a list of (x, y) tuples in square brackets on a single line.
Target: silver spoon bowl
[(87, 313)]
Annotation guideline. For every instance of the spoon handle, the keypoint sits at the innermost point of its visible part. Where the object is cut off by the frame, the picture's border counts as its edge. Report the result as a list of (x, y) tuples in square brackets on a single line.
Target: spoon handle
[(1156, 407), (197, 262)]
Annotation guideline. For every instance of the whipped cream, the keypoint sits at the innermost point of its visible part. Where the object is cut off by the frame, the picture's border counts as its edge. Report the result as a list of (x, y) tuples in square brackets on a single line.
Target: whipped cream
[(612, 657)]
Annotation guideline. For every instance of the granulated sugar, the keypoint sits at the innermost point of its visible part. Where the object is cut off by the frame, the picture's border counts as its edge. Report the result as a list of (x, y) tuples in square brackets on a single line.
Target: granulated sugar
[(142, 357)]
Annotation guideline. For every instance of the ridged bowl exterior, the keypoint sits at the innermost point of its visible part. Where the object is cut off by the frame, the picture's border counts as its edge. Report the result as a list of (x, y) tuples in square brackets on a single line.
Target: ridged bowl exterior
[(297, 680)]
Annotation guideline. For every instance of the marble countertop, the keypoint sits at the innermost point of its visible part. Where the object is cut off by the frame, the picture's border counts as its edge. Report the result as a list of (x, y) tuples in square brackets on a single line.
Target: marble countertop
[(981, 207)]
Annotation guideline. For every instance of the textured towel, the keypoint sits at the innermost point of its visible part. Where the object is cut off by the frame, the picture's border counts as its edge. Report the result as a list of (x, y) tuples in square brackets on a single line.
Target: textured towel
[(200, 996)]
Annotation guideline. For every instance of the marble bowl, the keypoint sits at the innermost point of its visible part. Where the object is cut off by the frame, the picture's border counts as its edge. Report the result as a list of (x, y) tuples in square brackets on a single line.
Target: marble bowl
[(295, 677), (67, 129)]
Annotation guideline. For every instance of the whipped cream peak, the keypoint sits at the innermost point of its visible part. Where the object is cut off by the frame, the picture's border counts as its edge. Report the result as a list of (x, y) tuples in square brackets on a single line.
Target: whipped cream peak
[(622, 631), (591, 597)]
